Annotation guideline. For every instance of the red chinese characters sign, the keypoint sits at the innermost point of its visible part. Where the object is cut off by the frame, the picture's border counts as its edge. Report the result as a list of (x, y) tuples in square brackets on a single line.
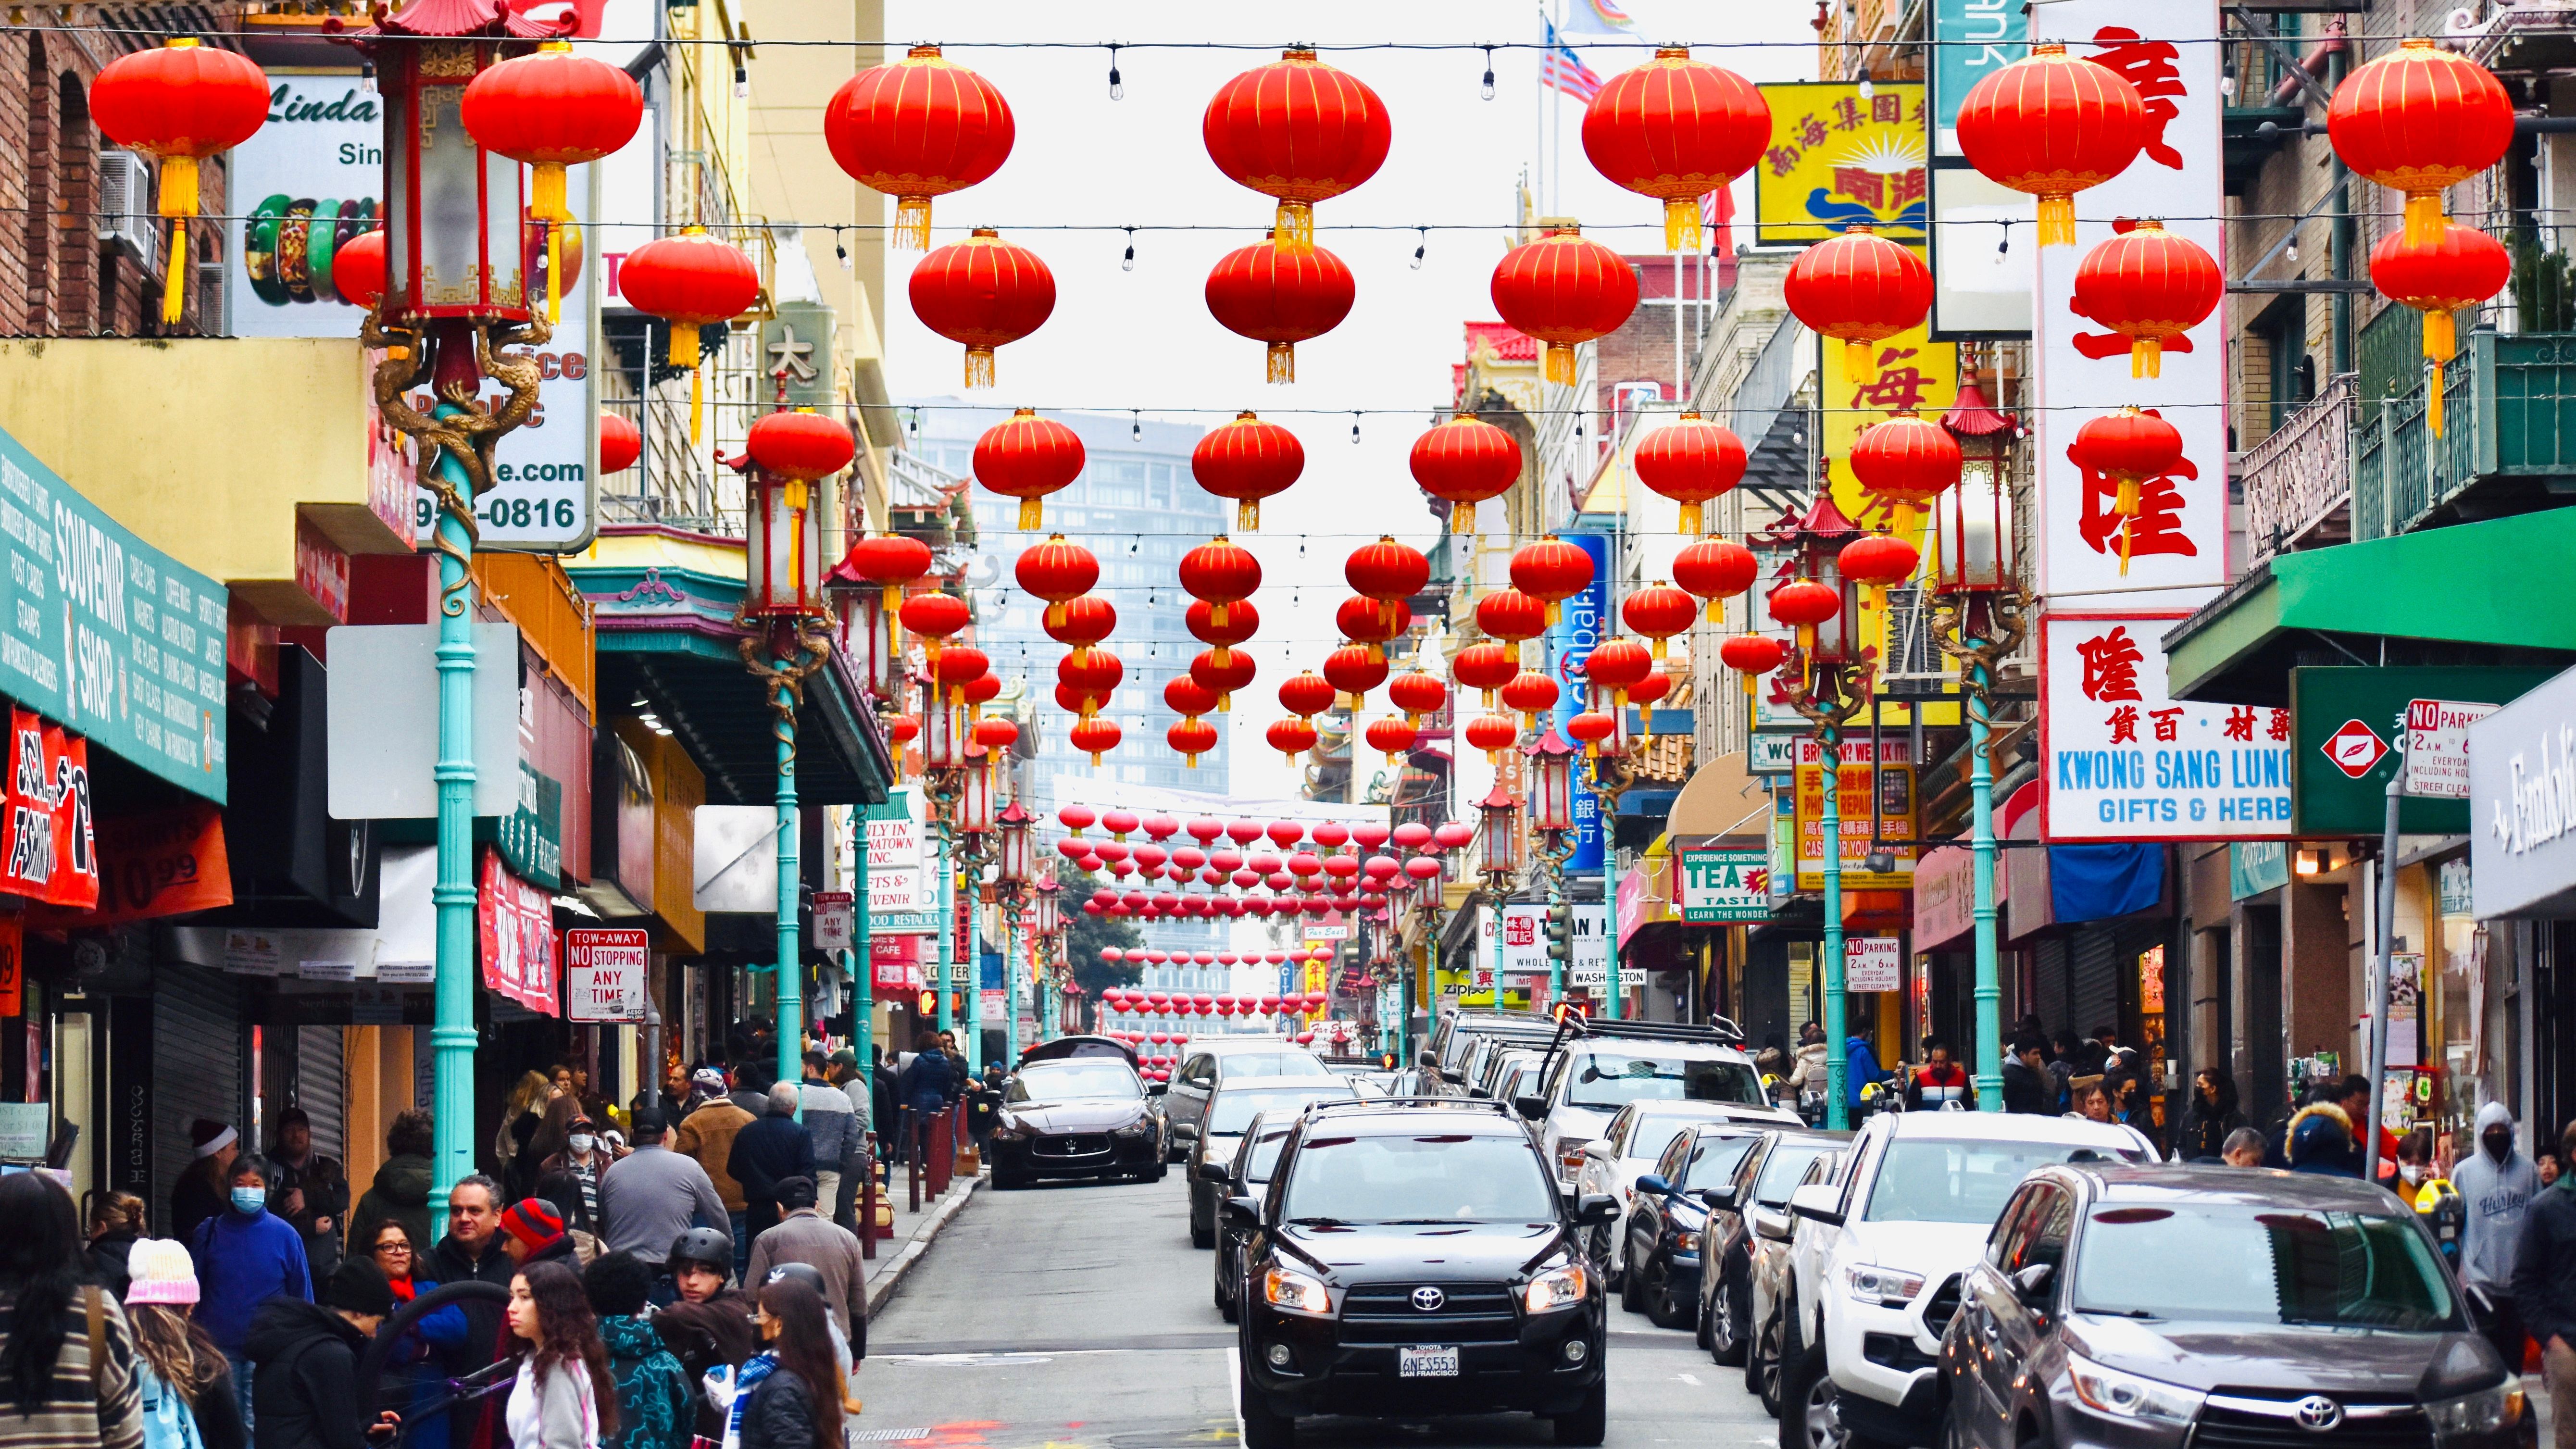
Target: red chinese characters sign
[(518, 931), (2121, 760)]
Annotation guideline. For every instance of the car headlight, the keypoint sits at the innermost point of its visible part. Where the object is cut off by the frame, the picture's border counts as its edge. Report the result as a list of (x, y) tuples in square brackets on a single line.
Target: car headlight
[(1011, 1127), (1295, 1292), (1686, 1242), (2127, 1396), (2484, 1412), (1569, 1157), (1886, 1287), (1141, 1127), (1557, 1288)]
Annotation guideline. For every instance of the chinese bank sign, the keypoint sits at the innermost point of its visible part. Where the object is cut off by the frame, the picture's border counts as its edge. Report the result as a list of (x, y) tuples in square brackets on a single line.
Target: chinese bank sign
[(2522, 806)]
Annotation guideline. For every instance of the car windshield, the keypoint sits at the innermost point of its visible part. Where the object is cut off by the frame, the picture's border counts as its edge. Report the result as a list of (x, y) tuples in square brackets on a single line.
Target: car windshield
[(1074, 1081), (2261, 1265), (1606, 1079), (1460, 1177), (1931, 1180), (1718, 1158), (1784, 1169), (1274, 1064), (1231, 1112)]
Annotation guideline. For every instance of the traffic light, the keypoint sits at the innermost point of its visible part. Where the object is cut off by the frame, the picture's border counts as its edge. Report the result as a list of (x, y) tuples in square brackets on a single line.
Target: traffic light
[(1560, 932)]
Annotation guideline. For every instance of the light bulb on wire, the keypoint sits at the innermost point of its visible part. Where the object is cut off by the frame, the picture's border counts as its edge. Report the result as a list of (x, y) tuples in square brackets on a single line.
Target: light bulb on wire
[(1486, 92), (1117, 86), (1127, 263), (1136, 427), (1868, 90), (1420, 247), (1355, 426)]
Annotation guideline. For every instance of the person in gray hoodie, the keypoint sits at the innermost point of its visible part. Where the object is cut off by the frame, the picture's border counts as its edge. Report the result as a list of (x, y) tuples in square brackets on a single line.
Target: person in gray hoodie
[(832, 1120), (2496, 1185)]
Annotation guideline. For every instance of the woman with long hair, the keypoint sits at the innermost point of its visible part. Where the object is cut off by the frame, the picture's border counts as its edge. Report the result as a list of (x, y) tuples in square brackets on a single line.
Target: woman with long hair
[(66, 1355), (182, 1373), (797, 1403), (566, 1395), (520, 1113), (115, 1225)]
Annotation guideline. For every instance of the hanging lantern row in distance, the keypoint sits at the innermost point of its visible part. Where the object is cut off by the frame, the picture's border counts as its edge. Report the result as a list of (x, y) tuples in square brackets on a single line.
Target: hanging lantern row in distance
[(1298, 131), (2050, 125), (179, 104), (918, 128), (1676, 129), (1280, 296), (1693, 462), (1247, 460), (1752, 656), (1551, 571), (1242, 621), (1906, 459), (2148, 285), (1861, 289), (2419, 120), (549, 110), (982, 293), (1220, 572), (1564, 290), (2459, 270), (2128, 447), (1028, 457), (1510, 616), (1057, 572), (1389, 572), (1463, 462)]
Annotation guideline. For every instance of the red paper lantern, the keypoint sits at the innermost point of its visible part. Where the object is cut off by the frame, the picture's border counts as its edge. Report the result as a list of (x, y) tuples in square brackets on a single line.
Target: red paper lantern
[(2051, 125), (1056, 571), (806, 447), (1242, 621), (1219, 572), (620, 441), (690, 281), (1463, 462), (1563, 290), (1676, 129), (1280, 295), (358, 269), (890, 561), (1907, 459), (1532, 693), (1862, 288), (1492, 733), (1876, 561), (1484, 666), (996, 733), (1659, 611), (1511, 616), (2460, 269), (1354, 670), (1803, 604), (1094, 736), (2418, 120), (2148, 284), (917, 128), (1550, 570), (982, 292), (1297, 130), (1247, 460), (180, 104), (2129, 447), (1305, 694), (1391, 737), (1417, 694), (1028, 457), (1387, 571), (934, 617), (1366, 621), (1085, 622), (1589, 729), (1752, 655), (1223, 677), (1615, 665), (1186, 697), (551, 109), (1691, 461), (1290, 737)]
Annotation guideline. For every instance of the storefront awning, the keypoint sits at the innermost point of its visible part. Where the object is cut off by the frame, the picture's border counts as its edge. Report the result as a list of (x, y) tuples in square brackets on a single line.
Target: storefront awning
[(2500, 588)]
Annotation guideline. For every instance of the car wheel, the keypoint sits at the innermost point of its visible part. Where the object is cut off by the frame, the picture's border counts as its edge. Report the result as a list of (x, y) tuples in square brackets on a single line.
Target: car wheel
[(1699, 1331), (1202, 1232), (1596, 1245), (1717, 1328), (1663, 1309), (1263, 1426), (1587, 1425), (1808, 1418), (1762, 1368), (1630, 1299)]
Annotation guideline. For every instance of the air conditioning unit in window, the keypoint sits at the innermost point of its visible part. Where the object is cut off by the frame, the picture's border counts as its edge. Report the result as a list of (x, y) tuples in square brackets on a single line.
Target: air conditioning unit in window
[(125, 214)]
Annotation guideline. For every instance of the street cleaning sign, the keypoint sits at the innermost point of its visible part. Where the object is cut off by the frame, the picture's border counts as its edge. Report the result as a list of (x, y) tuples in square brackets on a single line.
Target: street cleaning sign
[(1725, 885), (2437, 746)]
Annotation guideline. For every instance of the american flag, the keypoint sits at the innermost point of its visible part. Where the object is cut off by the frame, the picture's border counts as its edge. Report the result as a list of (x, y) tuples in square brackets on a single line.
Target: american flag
[(1562, 68)]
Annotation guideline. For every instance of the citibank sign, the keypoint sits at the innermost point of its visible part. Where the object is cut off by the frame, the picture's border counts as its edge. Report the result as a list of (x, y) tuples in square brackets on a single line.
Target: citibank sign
[(2522, 805)]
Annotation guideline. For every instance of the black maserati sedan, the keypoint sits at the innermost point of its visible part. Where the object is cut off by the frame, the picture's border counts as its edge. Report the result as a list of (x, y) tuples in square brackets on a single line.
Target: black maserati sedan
[(1084, 1116)]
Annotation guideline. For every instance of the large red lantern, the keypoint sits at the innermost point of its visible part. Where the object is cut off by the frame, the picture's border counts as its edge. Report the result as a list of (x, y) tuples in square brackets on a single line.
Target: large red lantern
[(2148, 284), (1056, 571), (690, 281), (1861, 288), (1247, 460), (1659, 611), (2128, 447), (1485, 666), (1716, 571), (1691, 461), (1364, 620), (2051, 125), (1187, 698), (1027, 457), (179, 104), (1550, 570), (807, 447), (2418, 120), (917, 128), (1305, 694), (1907, 459), (1676, 129), (1532, 693), (1220, 572), (549, 110), (1511, 616), (1280, 295), (1354, 670), (1417, 694), (1803, 604), (1223, 671), (1752, 655), (1297, 130), (1563, 290), (1877, 562), (1387, 571), (1290, 737), (1094, 736), (982, 292), (1463, 462), (2460, 269), (1082, 622), (1242, 621)]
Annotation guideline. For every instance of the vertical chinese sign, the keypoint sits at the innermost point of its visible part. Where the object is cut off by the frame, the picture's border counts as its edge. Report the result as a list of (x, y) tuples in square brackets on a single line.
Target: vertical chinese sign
[(2123, 761)]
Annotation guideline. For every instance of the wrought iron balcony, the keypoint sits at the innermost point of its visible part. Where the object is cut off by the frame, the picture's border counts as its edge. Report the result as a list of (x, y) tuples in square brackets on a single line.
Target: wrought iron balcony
[(2298, 482), (2508, 445)]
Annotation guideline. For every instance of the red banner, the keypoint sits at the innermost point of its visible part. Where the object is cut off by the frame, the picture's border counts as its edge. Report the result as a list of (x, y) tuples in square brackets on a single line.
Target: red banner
[(51, 847), (75, 835), (161, 864), (518, 930), (894, 962)]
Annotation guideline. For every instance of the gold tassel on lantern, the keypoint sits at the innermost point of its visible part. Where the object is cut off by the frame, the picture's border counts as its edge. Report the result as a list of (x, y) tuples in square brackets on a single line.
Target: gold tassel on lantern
[(2057, 221), (1282, 363), (2146, 357), (911, 230), (1462, 521), (979, 367), (2439, 344), (1559, 366), (1293, 228), (2125, 506), (1247, 514), (1032, 515), (1681, 224), (174, 287), (1860, 359), (178, 204), (2424, 220), (1692, 525)]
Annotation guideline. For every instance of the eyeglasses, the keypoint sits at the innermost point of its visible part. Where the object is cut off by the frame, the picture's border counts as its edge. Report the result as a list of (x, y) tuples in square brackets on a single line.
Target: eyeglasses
[(394, 1250)]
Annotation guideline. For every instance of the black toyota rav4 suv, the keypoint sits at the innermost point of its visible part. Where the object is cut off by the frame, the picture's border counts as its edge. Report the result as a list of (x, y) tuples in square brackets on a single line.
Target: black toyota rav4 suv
[(1411, 1259)]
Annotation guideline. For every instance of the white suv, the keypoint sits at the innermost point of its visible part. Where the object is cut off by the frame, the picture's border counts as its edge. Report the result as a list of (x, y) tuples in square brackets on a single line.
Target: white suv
[(1590, 1077), (1876, 1260)]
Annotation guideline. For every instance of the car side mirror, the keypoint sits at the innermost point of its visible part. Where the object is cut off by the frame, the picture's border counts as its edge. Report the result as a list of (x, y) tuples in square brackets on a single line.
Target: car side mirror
[(1596, 1209), (1215, 1172), (1718, 1197), (2030, 1285), (1818, 1202), (1654, 1183), (1532, 1109), (1769, 1225), (1242, 1212), (1599, 1147)]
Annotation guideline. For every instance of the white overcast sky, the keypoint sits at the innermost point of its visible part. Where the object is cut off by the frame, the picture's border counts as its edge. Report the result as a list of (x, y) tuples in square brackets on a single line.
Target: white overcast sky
[(1143, 339)]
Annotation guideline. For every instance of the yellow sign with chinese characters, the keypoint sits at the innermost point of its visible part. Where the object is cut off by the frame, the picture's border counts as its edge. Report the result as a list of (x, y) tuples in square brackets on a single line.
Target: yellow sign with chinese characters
[(1839, 159), (1913, 372)]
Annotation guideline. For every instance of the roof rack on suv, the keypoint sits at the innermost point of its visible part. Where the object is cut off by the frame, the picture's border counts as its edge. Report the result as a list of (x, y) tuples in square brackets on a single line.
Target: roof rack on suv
[(1321, 1109), (1718, 1030)]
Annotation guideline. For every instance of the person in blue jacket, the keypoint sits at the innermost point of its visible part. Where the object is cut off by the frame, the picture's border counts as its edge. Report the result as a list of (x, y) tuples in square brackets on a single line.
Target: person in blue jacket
[(415, 1380), (1860, 1069), (245, 1256)]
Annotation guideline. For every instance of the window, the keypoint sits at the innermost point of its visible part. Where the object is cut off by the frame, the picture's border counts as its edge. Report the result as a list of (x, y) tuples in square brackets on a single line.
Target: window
[(2260, 1265)]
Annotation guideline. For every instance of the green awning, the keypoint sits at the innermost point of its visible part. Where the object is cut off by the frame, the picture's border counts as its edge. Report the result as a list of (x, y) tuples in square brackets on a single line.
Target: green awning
[(2496, 592)]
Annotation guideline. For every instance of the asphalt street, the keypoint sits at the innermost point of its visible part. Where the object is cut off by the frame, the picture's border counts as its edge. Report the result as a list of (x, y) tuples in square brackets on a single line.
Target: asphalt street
[(1079, 1317)]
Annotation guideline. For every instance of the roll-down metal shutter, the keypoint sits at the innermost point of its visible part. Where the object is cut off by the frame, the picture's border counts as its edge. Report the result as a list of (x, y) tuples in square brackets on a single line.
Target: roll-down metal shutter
[(197, 1060)]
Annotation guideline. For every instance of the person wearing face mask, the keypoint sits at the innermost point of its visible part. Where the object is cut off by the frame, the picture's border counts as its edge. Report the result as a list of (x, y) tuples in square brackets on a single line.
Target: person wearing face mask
[(584, 1159), (246, 1256), (2496, 1185)]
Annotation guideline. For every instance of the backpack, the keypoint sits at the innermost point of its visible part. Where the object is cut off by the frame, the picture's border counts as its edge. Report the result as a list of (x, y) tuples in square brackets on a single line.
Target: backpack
[(168, 1421)]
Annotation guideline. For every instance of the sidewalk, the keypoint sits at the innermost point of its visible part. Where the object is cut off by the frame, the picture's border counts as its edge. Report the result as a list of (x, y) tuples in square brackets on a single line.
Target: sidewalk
[(913, 1232)]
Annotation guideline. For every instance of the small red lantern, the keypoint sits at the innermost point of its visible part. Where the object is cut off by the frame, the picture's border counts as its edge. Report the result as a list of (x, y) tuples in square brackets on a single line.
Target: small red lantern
[(1693, 462), (1387, 571), (1463, 462), (1028, 457), (1247, 460), (1187, 698), (180, 104), (1224, 676), (934, 617), (1485, 666), (1083, 622), (2051, 125), (982, 292), (1094, 736), (2418, 120), (1589, 729), (552, 109), (1093, 674), (1676, 129), (2128, 447), (1659, 611), (1511, 616), (960, 665), (1532, 693), (2460, 269), (358, 269), (1804, 604), (1492, 733), (1056, 571), (1564, 291), (807, 447), (1305, 694), (1862, 288), (1365, 621), (1391, 737), (1752, 655), (1242, 621), (788, 452), (917, 128), (1297, 130), (1220, 572), (997, 734), (890, 561), (2148, 284), (1907, 459), (1614, 665), (1291, 737), (1280, 295), (620, 441), (690, 281), (1877, 561), (1417, 694), (1551, 571), (1354, 670)]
